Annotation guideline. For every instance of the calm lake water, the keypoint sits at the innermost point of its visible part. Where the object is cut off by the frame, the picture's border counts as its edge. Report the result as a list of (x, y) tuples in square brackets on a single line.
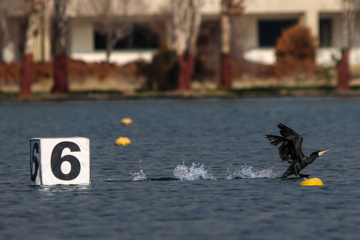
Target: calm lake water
[(196, 169)]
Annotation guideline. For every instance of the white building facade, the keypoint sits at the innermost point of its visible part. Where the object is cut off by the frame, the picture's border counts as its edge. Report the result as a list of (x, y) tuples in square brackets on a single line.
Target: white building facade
[(323, 17), (261, 24)]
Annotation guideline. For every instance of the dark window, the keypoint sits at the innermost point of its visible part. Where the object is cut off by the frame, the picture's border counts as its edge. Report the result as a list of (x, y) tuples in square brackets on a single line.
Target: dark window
[(271, 30), (325, 32), (140, 38), (99, 41)]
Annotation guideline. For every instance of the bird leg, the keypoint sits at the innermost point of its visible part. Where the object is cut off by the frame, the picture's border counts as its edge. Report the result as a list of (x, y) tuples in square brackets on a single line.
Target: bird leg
[(304, 175), (287, 173)]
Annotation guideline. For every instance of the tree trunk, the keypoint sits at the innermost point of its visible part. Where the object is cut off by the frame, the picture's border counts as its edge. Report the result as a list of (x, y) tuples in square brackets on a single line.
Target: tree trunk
[(186, 20), (195, 23), (226, 71), (349, 9), (60, 74), (60, 66), (343, 72), (186, 69), (111, 39), (3, 34), (225, 58), (27, 74), (108, 47), (178, 26)]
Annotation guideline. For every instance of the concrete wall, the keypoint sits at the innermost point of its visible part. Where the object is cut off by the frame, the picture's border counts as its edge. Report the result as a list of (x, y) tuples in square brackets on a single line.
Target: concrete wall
[(115, 57), (81, 35)]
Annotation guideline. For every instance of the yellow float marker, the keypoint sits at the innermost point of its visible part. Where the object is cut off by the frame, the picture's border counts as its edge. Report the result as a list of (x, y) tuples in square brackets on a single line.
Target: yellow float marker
[(122, 141), (126, 121), (312, 182)]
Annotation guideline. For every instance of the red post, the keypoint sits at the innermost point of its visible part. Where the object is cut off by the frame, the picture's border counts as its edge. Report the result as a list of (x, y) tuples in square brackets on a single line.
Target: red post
[(60, 74), (343, 72), (27, 74), (186, 70), (226, 71)]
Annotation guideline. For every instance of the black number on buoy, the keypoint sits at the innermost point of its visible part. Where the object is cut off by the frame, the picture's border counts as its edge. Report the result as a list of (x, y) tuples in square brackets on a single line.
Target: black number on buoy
[(57, 160), (34, 164)]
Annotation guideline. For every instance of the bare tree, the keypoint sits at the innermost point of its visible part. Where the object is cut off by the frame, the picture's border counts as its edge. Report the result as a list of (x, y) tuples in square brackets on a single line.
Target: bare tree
[(229, 8), (60, 48), (4, 31), (113, 19), (186, 20), (7, 30), (32, 29), (12, 30), (349, 9), (158, 23)]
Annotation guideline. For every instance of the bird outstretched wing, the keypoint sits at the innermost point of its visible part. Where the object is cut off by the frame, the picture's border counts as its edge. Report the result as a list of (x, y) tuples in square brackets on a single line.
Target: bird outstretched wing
[(291, 144)]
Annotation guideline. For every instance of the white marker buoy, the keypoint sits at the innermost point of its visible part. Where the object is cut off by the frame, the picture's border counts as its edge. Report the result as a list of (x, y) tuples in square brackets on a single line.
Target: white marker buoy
[(312, 182), (59, 161), (122, 141)]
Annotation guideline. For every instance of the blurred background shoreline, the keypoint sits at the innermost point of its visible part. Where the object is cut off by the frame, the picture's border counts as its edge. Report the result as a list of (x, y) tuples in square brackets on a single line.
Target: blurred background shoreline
[(179, 48)]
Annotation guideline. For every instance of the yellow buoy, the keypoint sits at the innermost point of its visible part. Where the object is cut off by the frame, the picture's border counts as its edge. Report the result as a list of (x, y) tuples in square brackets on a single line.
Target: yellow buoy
[(312, 182), (126, 121), (122, 141)]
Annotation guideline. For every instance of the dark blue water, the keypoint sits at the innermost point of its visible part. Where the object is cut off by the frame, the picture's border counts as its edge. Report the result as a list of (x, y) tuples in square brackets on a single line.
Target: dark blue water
[(196, 169)]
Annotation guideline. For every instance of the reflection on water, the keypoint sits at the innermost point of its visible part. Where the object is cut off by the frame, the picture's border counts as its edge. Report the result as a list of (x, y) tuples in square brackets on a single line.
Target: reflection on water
[(51, 190)]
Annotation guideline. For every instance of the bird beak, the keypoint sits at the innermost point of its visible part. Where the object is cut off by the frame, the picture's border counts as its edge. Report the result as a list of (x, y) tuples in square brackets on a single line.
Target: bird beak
[(322, 152)]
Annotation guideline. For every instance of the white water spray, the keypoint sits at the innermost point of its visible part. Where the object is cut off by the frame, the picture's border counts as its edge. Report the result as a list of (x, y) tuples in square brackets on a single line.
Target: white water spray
[(248, 172), (139, 176), (197, 171)]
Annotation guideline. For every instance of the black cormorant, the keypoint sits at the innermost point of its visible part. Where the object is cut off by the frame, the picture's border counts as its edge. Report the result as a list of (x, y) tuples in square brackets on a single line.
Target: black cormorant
[(290, 150)]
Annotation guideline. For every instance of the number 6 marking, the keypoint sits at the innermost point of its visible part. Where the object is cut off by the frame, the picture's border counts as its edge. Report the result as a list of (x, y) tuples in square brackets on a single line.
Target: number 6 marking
[(57, 160), (34, 164)]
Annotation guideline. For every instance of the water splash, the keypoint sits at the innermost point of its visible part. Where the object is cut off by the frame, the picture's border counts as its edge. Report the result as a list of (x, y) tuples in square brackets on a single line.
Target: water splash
[(248, 172), (197, 171), (139, 176)]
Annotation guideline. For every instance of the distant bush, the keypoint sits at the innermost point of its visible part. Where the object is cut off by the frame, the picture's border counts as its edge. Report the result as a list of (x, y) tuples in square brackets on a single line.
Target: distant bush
[(295, 52), (162, 73)]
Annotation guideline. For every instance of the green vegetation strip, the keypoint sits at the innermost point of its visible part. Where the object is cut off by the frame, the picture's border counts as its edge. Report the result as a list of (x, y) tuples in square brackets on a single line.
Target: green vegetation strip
[(283, 90), (253, 91)]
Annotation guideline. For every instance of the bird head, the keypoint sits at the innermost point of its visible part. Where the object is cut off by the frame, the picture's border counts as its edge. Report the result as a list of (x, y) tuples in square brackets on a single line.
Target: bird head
[(317, 154)]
